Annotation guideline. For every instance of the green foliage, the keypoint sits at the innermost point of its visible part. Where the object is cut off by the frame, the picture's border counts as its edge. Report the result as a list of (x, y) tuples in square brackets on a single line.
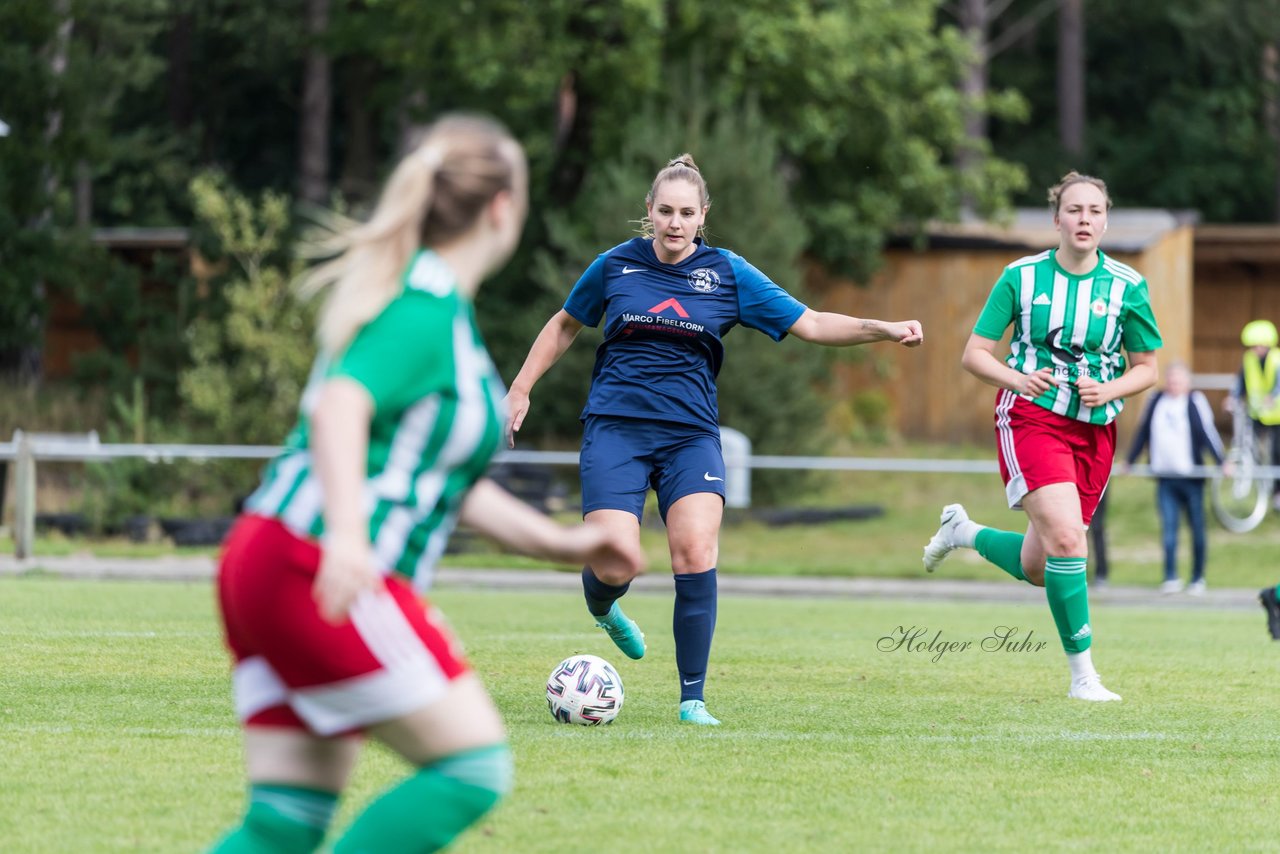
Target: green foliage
[(863, 98), (249, 364), (1177, 103), (60, 118)]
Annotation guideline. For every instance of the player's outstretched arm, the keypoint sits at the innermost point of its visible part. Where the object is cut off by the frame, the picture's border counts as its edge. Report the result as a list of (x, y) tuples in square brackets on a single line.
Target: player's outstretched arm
[(555, 337), (492, 511), (842, 330)]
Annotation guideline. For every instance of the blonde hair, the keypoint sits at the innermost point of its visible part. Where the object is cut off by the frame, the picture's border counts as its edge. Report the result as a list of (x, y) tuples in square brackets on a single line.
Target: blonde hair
[(435, 194), (680, 168), (1070, 179)]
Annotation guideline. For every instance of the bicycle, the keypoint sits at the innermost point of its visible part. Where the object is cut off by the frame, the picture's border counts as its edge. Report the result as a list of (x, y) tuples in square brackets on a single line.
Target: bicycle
[(1241, 500)]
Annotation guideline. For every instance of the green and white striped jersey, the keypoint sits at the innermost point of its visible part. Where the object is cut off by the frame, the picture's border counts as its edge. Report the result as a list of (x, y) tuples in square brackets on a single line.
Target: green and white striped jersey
[(437, 421), (1073, 324)]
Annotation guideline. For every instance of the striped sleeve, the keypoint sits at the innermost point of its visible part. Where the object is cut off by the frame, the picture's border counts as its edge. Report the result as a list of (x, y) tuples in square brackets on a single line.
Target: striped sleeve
[(998, 312), (405, 353), (1141, 335)]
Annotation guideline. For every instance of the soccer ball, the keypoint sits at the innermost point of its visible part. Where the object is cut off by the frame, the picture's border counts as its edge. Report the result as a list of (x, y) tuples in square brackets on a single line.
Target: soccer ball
[(584, 689)]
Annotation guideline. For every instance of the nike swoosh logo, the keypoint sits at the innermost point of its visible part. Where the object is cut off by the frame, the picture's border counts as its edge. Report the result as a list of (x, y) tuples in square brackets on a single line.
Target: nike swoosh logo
[(694, 682), (708, 476), (626, 269)]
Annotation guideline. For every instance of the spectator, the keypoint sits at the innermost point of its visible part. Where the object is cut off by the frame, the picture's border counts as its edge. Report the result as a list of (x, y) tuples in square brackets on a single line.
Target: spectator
[(1177, 430), (1258, 385)]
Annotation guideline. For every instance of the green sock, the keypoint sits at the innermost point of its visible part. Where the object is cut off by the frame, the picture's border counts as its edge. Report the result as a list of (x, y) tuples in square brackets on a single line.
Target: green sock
[(280, 820), (427, 811), (1067, 589), (1003, 548)]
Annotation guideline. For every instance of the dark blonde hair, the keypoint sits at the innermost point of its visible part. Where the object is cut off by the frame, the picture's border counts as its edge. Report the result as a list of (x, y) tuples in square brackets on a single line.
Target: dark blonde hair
[(1070, 179), (435, 194), (680, 168)]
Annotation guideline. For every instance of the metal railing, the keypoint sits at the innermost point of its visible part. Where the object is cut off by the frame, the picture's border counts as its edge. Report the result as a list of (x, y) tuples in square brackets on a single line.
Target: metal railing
[(25, 450)]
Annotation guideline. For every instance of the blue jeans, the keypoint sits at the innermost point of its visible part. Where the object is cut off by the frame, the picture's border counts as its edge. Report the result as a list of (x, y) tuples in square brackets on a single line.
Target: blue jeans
[(1172, 495)]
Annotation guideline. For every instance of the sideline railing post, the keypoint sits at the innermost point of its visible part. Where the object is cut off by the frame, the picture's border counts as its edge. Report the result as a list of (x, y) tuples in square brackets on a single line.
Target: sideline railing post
[(737, 467), (24, 497)]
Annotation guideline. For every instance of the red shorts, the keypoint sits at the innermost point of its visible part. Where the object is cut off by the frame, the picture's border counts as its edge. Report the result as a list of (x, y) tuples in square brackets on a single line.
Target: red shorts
[(293, 669), (1038, 447)]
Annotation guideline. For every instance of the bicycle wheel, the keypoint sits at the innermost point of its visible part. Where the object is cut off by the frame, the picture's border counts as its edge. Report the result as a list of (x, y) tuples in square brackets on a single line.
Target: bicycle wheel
[(1241, 501)]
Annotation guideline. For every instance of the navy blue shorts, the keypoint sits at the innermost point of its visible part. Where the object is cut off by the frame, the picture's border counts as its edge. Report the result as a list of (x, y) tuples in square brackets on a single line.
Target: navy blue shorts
[(622, 458)]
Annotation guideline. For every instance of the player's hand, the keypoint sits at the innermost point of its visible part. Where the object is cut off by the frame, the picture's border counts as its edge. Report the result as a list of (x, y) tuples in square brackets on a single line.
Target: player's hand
[(908, 333), (596, 545), (346, 571), (1034, 385), (517, 408), (1092, 392)]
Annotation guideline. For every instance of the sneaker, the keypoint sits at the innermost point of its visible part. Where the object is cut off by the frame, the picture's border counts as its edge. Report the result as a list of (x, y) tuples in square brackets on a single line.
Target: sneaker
[(1196, 588), (943, 542), (1171, 585), (695, 712), (1267, 596), (623, 631), (1091, 688)]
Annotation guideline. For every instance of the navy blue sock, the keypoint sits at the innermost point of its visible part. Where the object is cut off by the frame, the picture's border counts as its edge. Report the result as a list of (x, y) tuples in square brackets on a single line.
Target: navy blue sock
[(693, 621), (600, 596)]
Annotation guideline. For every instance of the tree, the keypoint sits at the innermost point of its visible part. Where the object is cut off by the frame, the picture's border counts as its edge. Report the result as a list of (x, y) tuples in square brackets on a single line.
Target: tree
[(248, 364), (313, 135), (1177, 105), (1071, 96)]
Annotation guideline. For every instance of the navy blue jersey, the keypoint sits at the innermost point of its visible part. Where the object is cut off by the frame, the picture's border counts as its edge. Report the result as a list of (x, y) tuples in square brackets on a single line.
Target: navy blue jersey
[(663, 325)]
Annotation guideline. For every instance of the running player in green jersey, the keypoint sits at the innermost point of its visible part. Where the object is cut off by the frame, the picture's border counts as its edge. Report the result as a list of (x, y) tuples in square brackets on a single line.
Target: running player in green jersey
[(319, 582), (1084, 338)]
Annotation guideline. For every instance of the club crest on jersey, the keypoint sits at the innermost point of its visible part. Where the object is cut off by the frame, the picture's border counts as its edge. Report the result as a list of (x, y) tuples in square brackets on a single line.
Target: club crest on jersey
[(704, 280), (1099, 307)]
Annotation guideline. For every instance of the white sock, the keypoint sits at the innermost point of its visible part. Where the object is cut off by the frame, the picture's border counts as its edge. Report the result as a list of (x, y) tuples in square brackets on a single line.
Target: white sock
[(1081, 665), (965, 535)]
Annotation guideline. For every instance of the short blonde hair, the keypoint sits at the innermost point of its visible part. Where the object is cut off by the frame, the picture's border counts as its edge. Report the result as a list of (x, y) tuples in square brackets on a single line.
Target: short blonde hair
[(1071, 179)]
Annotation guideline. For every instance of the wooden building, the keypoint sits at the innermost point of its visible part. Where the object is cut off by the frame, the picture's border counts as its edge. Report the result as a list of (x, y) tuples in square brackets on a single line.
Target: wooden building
[(68, 333), (945, 284), (1237, 279)]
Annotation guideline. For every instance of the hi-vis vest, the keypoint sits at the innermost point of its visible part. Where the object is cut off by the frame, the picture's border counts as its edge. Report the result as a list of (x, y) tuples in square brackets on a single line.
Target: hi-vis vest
[(1260, 383)]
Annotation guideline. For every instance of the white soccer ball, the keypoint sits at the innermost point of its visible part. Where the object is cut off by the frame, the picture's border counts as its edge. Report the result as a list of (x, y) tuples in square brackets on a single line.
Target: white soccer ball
[(584, 689)]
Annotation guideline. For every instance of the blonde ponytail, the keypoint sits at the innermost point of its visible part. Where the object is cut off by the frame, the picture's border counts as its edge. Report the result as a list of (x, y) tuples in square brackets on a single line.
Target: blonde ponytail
[(435, 194), (367, 260)]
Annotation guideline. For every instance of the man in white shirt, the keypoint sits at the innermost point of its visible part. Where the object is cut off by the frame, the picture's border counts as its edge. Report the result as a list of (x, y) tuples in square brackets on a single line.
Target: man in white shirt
[(1177, 427)]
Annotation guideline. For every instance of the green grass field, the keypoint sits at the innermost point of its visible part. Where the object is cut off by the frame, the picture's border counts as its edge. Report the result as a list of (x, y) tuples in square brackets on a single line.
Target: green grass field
[(116, 730)]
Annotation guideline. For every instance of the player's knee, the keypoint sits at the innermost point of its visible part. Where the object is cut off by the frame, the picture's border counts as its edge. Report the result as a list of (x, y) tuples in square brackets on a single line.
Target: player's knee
[(613, 575), (1064, 541), (693, 558)]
